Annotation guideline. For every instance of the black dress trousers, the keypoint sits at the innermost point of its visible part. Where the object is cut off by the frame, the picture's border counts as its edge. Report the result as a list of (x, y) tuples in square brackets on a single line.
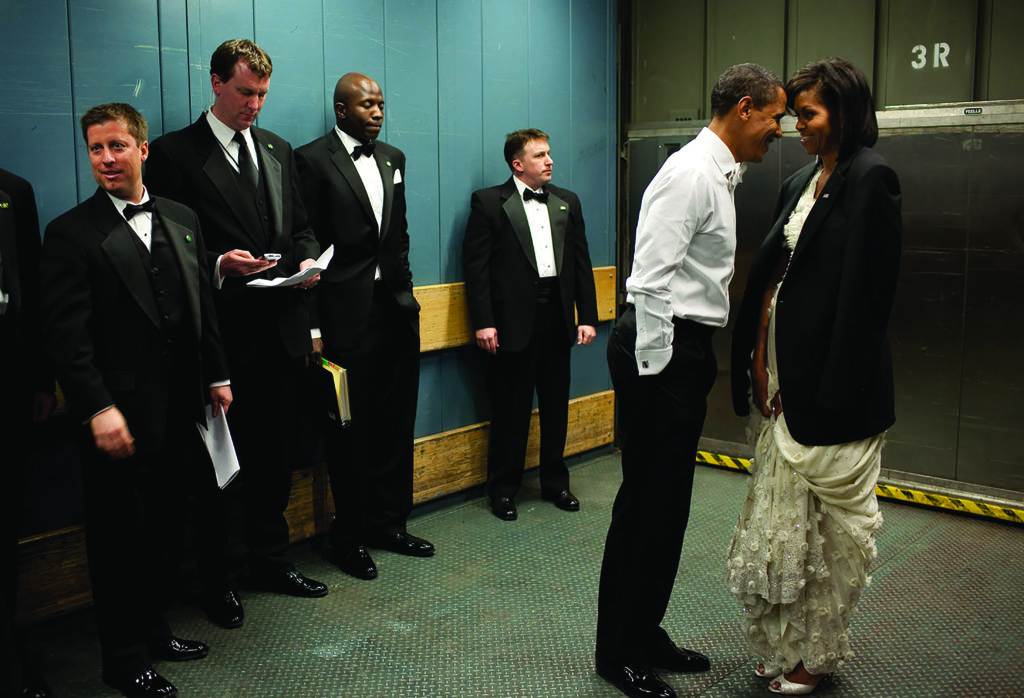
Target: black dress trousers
[(660, 421), (370, 462), (512, 377)]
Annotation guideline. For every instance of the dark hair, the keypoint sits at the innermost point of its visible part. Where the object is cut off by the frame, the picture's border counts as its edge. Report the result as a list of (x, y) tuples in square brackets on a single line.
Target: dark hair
[(517, 140), (116, 111), (845, 93), (742, 80), (227, 55)]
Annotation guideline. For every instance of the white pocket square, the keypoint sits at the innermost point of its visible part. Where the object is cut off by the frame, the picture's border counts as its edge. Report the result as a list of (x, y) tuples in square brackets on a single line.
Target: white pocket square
[(398, 177)]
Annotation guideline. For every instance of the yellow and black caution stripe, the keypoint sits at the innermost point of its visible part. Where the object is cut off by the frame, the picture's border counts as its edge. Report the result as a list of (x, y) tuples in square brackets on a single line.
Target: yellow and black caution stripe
[(958, 503)]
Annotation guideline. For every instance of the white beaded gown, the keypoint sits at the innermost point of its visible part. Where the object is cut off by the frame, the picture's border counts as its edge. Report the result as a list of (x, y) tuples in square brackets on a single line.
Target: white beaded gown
[(805, 539)]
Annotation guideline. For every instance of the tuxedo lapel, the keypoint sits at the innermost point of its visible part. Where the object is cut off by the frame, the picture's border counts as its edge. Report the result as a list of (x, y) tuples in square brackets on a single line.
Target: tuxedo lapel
[(516, 213), (343, 162), (819, 212), (387, 178), (270, 166), (183, 243), (558, 214), (225, 181), (123, 254)]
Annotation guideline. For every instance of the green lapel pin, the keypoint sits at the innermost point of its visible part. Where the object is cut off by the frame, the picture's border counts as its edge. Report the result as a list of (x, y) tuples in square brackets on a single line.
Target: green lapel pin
[(270, 146), (5, 204), (188, 238), (561, 208)]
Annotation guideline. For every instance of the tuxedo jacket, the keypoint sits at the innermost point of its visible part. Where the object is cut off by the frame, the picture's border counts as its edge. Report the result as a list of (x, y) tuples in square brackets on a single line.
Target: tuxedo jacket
[(190, 167), (340, 213), (101, 321), (25, 366), (501, 268), (832, 312)]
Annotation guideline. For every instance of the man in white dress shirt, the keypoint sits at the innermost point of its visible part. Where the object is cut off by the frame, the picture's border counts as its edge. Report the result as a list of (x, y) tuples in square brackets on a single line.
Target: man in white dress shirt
[(528, 274), (662, 366)]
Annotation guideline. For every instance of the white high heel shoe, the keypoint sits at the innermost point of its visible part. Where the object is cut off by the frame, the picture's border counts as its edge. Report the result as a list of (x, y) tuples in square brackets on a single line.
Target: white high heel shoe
[(784, 686), (764, 670)]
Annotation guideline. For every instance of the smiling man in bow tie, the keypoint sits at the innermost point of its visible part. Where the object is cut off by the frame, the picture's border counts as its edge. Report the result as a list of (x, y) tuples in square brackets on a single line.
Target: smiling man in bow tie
[(528, 273), (354, 187), (128, 318)]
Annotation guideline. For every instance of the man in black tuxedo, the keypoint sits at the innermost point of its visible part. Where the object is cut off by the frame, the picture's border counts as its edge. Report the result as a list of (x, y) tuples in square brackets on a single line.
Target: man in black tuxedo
[(528, 273), (241, 181), (26, 383), (353, 185), (129, 321)]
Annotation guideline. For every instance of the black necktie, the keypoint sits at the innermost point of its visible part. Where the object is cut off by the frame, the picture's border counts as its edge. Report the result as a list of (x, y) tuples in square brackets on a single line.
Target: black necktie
[(541, 197), (246, 167), (363, 149), (131, 209)]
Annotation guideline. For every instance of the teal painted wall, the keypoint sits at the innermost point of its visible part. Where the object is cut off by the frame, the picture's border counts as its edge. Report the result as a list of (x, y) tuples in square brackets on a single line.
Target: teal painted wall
[(457, 75)]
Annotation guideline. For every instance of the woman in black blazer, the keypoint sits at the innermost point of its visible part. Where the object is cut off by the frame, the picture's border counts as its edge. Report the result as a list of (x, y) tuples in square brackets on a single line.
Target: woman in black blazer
[(811, 346)]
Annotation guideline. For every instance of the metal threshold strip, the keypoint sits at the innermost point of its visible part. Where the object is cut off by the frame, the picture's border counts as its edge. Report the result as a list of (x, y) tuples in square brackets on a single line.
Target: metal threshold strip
[(928, 495)]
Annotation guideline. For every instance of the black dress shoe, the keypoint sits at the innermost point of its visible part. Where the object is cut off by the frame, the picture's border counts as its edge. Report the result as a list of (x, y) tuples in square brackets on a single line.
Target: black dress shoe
[(178, 649), (146, 684), (224, 608), (35, 688), (355, 561), (564, 500), (664, 654), (290, 582), (504, 508), (635, 681), (678, 659), (402, 543)]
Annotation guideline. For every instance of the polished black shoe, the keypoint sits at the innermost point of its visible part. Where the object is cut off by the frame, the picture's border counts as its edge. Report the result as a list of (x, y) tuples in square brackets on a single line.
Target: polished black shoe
[(504, 508), (664, 654), (34, 688), (402, 543), (564, 500), (178, 649), (224, 608), (635, 681), (355, 561), (290, 582), (145, 684)]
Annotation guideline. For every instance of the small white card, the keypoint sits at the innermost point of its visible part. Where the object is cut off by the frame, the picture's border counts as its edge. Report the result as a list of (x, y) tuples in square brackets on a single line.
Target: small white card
[(217, 439)]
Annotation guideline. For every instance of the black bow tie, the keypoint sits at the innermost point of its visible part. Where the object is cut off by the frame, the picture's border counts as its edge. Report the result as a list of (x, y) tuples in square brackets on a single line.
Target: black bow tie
[(363, 149), (131, 209), (541, 197)]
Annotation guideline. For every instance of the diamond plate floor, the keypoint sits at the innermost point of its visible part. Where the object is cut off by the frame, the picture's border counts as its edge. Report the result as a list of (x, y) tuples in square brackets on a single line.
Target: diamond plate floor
[(507, 609)]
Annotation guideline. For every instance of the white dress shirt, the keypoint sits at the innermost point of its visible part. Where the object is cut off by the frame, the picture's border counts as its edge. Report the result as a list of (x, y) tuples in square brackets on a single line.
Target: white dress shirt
[(540, 231), (369, 173), (685, 247), (141, 222), (225, 136)]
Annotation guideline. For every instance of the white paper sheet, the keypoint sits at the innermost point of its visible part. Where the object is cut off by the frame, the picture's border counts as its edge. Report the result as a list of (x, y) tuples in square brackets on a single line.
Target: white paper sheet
[(218, 442), (295, 279)]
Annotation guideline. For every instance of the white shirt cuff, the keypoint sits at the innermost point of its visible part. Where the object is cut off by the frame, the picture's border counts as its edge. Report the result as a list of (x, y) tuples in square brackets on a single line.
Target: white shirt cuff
[(220, 384), (99, 412), (218, 280), (650, 362), (315, 333)]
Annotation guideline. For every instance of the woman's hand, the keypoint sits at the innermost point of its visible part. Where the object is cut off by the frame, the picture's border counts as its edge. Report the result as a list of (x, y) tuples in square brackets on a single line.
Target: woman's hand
[(759, 384)]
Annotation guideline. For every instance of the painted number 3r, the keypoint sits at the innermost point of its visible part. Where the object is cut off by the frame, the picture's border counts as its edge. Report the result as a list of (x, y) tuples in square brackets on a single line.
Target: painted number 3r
[(940, 54)]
